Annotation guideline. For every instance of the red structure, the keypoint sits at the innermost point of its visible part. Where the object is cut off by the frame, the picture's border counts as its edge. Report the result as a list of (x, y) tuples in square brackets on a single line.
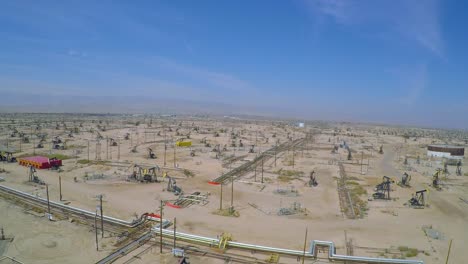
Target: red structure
[(40, 162)]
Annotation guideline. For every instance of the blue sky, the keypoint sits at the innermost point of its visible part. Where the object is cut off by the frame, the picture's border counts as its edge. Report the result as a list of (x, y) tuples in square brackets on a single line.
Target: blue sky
[(402, 62)]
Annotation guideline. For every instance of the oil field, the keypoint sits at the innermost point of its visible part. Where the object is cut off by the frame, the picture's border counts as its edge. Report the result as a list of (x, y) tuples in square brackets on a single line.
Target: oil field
[(216, 132), (83, 188)]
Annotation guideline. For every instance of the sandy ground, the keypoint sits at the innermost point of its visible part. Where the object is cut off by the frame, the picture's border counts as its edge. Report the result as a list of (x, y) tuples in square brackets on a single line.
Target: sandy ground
[(386, 226)]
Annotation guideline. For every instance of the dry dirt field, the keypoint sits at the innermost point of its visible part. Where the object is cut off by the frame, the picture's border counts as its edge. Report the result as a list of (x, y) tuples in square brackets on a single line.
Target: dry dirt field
[(339, 209)]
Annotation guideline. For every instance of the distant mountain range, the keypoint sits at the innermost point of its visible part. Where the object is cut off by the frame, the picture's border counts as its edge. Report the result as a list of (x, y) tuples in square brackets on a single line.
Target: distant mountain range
[(20, 102)]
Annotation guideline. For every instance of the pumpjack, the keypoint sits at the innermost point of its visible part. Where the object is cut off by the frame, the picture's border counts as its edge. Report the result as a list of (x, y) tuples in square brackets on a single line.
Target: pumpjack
[(192, 153), (60, 146), (33, 176), (25, 139), (8, 157), (145, 175), (41, 144), (417, 201), (435, 179), (382, 190), (172, 186), (240, 143), (312, 180), (56, 140), (251, 150), (204, 141), (405, 180), (112, 142), (127, 136), (216, 148), (151, 154)]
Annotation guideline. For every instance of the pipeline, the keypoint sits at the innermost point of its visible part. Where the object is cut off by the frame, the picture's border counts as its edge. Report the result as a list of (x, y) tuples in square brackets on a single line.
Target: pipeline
[(124, 250), (211, 242), (312, 253), (71, 209), (246, 167), (14, 260)]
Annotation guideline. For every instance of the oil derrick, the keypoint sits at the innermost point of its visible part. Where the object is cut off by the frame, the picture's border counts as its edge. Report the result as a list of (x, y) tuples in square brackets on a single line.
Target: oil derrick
[(144, 175), (382, 190), (312, 180), (172, 186), (33, 176), (436, 180), (405, 180), (418, 200), (151, 154)]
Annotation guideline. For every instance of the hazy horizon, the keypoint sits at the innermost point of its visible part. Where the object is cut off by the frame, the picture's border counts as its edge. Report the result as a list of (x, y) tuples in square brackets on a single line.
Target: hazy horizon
[(387, 62)]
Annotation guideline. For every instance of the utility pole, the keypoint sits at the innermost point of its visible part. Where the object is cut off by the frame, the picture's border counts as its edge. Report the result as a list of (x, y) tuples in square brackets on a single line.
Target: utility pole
[(305, 244), (293, 158), (118, 150), (256, 137), (174, 155), (165, 146), (88, 150), (232, 193), (262, 170), (95, 230), (175, 226), (107, 148), (221, 198), (60, 187), (276, 149), (362, 159), (160, 228), (48, 201), (102, 216), (448, 253), (255, 175)]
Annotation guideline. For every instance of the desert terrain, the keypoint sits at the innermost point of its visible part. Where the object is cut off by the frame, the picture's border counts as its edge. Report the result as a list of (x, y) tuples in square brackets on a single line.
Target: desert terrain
[(273, 199)]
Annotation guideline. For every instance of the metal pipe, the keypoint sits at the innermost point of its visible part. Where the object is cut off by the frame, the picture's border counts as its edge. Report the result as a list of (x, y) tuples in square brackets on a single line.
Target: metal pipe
[(124, 250), (311, 254), (214, 241), (89, 214), (10, 258)]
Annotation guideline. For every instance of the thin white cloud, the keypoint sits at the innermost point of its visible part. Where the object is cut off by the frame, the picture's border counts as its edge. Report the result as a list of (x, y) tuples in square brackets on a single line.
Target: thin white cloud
[(75, 53), (220, 80), (417, 21), (410, 82)]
